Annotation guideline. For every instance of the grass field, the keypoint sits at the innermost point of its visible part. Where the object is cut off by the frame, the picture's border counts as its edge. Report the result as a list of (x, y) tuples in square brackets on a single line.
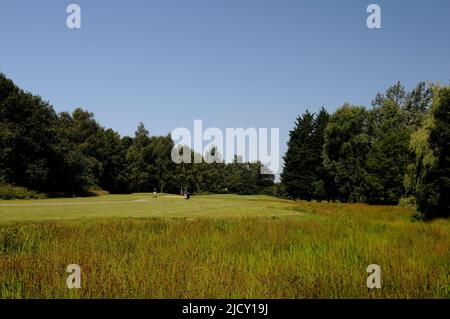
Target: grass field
[(218, 246)]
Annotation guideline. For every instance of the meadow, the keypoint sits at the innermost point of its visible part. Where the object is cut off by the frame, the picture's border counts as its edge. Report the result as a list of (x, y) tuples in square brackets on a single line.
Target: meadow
[(218, 246)]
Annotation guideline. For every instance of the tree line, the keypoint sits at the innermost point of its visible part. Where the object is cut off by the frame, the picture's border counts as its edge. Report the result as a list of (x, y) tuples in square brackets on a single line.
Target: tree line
[(69, 154), (398, 148)]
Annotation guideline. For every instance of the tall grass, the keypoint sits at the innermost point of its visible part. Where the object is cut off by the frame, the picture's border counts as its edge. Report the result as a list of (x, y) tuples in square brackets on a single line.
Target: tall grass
[(321, 254)]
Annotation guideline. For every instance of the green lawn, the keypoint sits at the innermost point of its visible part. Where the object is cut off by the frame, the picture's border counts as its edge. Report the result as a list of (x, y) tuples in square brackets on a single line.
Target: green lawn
[(218, 246), (145, 206)]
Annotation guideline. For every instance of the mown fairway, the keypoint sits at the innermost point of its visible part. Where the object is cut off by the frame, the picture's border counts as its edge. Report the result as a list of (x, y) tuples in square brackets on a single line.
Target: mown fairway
[(218, 247)]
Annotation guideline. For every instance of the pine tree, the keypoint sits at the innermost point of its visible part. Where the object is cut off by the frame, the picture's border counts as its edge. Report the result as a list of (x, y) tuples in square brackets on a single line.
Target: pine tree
[(298, 175), (321, 184), (138, 156)]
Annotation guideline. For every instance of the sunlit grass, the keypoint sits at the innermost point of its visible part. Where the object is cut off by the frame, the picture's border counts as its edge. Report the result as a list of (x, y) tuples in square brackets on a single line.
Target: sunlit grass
[(220, 247)]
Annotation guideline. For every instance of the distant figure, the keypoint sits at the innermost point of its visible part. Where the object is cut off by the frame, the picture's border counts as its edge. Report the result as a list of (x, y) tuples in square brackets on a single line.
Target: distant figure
[(187, 195), (155, 194)]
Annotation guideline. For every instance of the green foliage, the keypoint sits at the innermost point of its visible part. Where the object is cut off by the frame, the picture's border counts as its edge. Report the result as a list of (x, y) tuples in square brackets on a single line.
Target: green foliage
[(304, 175), (13, 192), (399, 148), (433, 161), (299, 161), (347, 144), (71, 154), (28, 132), (424, 158), (408, 202), (388, 157), (365, 154)]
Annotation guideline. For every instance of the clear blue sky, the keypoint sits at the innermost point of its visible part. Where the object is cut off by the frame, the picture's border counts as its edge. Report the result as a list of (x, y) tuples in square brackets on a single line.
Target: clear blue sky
[(234, 63)]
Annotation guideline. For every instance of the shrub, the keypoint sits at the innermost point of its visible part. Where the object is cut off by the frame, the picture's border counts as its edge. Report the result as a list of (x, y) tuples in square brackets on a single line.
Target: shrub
[(411, 203), (14, 192), (408, 202), (97, 191)]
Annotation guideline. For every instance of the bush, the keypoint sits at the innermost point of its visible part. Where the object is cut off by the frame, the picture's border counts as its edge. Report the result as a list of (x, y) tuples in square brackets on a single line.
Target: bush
[(14, 192), (97, 191), (411, 203), (408, 202)]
